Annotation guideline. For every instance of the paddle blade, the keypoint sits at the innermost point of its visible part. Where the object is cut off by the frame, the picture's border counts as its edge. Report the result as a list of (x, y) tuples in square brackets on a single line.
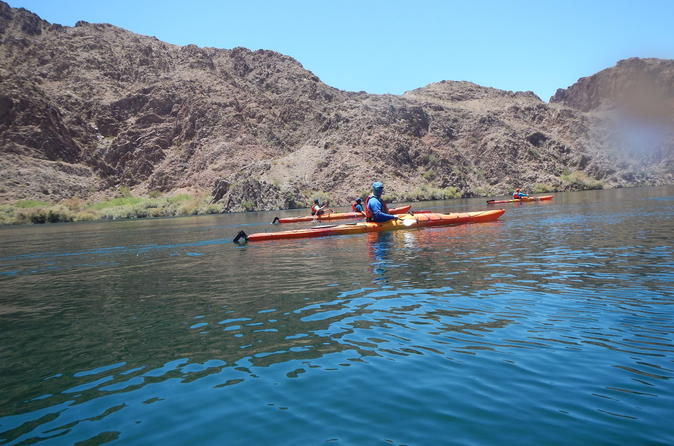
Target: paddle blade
[(241, 237)]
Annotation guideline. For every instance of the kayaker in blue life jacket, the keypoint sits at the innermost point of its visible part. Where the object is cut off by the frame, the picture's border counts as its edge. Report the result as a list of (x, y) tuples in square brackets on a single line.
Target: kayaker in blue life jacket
[(517, 194), (375, 208), (357, 206)]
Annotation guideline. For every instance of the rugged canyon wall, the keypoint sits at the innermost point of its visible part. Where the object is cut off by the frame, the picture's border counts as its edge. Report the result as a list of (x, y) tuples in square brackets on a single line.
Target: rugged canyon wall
[(633, 107), (87, 109)]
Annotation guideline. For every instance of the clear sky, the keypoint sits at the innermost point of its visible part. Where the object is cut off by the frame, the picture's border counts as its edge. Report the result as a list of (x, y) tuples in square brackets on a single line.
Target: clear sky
[(390, 46)]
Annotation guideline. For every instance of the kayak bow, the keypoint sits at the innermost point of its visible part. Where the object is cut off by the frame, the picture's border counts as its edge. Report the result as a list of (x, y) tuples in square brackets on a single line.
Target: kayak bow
[(406, 221), (335, 216), (519, 200)]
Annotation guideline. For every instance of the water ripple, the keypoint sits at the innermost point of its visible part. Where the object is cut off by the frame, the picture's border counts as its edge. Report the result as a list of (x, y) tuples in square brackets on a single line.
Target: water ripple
[(560, 314)]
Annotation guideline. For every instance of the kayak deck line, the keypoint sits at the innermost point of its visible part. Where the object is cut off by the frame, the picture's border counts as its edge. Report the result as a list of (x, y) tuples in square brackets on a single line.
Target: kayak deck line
[(406, 221)]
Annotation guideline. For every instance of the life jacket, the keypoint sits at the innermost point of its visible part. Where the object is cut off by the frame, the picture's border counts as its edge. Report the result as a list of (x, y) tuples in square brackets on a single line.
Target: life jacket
[(516, 195), (368, 213)]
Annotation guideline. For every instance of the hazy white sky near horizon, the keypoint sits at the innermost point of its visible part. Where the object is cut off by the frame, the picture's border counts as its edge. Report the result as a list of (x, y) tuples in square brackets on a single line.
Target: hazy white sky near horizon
[(392, 46)]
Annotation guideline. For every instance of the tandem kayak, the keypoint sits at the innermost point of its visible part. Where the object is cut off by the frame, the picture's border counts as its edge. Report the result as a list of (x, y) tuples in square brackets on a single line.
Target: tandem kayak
[(335, 216), (407, 221), (519, 200)]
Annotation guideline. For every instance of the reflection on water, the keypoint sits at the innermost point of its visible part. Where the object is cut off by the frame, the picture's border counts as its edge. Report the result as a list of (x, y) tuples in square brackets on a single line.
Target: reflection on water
[(164, 331)]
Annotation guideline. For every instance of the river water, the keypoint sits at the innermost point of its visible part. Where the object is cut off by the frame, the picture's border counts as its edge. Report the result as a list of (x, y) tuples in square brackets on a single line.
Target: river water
[(554, 325)]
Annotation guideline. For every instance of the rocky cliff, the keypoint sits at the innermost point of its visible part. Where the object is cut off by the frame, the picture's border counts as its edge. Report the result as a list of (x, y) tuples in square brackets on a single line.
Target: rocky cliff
[(631, 85), (634, 104), (87, 109)]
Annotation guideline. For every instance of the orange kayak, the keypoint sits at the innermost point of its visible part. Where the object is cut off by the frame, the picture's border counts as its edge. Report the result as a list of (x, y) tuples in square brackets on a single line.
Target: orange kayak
[(407, 221), (519, 200), (336, 216)]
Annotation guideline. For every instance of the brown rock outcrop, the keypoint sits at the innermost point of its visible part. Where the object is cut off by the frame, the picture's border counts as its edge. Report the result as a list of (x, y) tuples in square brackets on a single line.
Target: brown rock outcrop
[(258, 131), (634, 101), (633, 85)]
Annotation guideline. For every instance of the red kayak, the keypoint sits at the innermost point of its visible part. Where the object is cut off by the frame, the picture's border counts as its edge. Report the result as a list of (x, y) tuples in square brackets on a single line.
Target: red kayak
[(406, 221), (336, 216), (519, 200)]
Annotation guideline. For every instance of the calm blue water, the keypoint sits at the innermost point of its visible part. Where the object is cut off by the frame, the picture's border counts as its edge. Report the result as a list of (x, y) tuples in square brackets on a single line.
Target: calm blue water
[(552, 326)]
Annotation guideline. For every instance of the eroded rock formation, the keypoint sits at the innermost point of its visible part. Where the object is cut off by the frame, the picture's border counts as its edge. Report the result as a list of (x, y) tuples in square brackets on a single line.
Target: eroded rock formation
[(89, 108)]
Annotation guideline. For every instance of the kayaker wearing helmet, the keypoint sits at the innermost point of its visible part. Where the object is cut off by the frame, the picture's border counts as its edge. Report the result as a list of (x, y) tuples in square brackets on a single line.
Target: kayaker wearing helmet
[(375, 208), (357, 206), (517, 194), (317, 209)]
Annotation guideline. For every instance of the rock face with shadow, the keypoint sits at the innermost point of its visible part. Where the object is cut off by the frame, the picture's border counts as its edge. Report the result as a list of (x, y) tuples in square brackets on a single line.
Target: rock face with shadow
[(87, 109)]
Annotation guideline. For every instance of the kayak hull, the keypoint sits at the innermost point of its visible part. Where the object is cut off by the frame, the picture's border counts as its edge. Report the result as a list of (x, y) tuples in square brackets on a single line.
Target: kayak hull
[(336, 216), (521, 200), (419, 220)]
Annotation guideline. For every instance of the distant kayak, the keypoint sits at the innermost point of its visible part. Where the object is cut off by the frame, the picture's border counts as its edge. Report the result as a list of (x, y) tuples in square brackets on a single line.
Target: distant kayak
[(407, 221), (519, 200), (336, 216)]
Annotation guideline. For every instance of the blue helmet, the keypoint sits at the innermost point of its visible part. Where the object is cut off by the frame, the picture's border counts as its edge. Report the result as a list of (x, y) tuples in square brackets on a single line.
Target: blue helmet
[(377, 188)]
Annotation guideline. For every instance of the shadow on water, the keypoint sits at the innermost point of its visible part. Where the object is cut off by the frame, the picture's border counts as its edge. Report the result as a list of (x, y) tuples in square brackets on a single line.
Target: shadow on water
[(165, 331)]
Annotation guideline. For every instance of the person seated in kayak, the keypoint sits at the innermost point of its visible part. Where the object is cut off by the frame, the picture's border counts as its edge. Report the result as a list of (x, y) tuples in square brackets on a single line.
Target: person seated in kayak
[(517, 194), (317, 209), (357, 206), (375, 208)]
